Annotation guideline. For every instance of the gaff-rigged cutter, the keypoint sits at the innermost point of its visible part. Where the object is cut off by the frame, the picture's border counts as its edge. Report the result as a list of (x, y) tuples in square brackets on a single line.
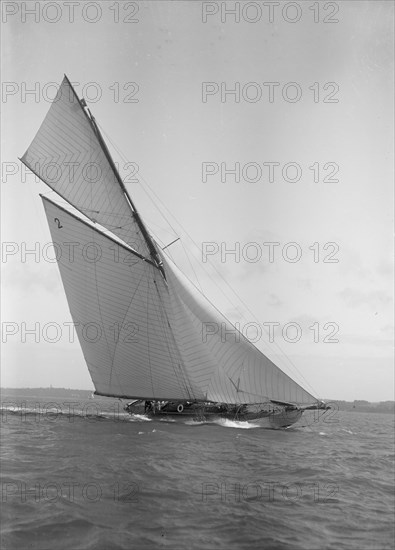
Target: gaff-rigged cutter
[(139, 320)]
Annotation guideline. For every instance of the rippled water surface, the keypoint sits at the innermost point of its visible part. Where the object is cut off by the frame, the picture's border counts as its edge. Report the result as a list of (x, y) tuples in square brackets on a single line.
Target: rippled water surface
[(84, 475)]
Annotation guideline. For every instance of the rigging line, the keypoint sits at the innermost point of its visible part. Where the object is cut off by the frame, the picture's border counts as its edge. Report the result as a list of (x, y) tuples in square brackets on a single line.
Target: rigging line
[(191, 265), (218, 273), (172, 242), (167, 230)]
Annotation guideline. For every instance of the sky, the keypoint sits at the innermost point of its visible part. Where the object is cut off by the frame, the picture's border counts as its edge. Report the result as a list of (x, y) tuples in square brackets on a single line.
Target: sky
[(307, 131)]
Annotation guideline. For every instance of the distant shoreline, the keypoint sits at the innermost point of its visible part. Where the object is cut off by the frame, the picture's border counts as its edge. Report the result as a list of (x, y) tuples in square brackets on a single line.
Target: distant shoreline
[(353, 406)]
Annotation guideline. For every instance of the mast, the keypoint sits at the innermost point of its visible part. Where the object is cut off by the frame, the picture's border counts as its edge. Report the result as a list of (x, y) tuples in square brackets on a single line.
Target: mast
[(151, 246)]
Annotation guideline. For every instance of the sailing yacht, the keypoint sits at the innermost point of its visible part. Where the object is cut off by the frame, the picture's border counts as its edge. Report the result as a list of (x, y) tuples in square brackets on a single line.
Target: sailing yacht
[(138, 318)]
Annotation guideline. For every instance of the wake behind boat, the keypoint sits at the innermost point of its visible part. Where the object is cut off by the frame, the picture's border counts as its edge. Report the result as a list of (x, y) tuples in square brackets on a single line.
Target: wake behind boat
[(139, 320)]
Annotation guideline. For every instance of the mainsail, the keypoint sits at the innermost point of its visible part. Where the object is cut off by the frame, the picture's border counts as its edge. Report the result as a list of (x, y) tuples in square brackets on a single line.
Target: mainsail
[(119, 303), (140, 322)]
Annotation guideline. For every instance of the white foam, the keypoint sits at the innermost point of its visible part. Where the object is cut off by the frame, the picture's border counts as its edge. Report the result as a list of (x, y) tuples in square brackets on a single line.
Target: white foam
[(139, 418), (235, 424)]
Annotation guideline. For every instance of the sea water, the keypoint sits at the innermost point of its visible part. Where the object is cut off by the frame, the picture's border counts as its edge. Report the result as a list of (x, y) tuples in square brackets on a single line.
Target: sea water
[(86, 475)]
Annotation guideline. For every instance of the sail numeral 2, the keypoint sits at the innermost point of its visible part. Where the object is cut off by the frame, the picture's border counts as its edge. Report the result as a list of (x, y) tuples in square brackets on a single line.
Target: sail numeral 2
[(56, 220), (131, 330)]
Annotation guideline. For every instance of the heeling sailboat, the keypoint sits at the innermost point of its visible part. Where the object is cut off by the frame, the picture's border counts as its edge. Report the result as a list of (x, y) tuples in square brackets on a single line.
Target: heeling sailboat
[(139, 320)]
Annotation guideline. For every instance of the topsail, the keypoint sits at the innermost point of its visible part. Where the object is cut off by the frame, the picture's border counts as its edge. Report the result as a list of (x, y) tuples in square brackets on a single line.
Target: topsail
[(67, 154)]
